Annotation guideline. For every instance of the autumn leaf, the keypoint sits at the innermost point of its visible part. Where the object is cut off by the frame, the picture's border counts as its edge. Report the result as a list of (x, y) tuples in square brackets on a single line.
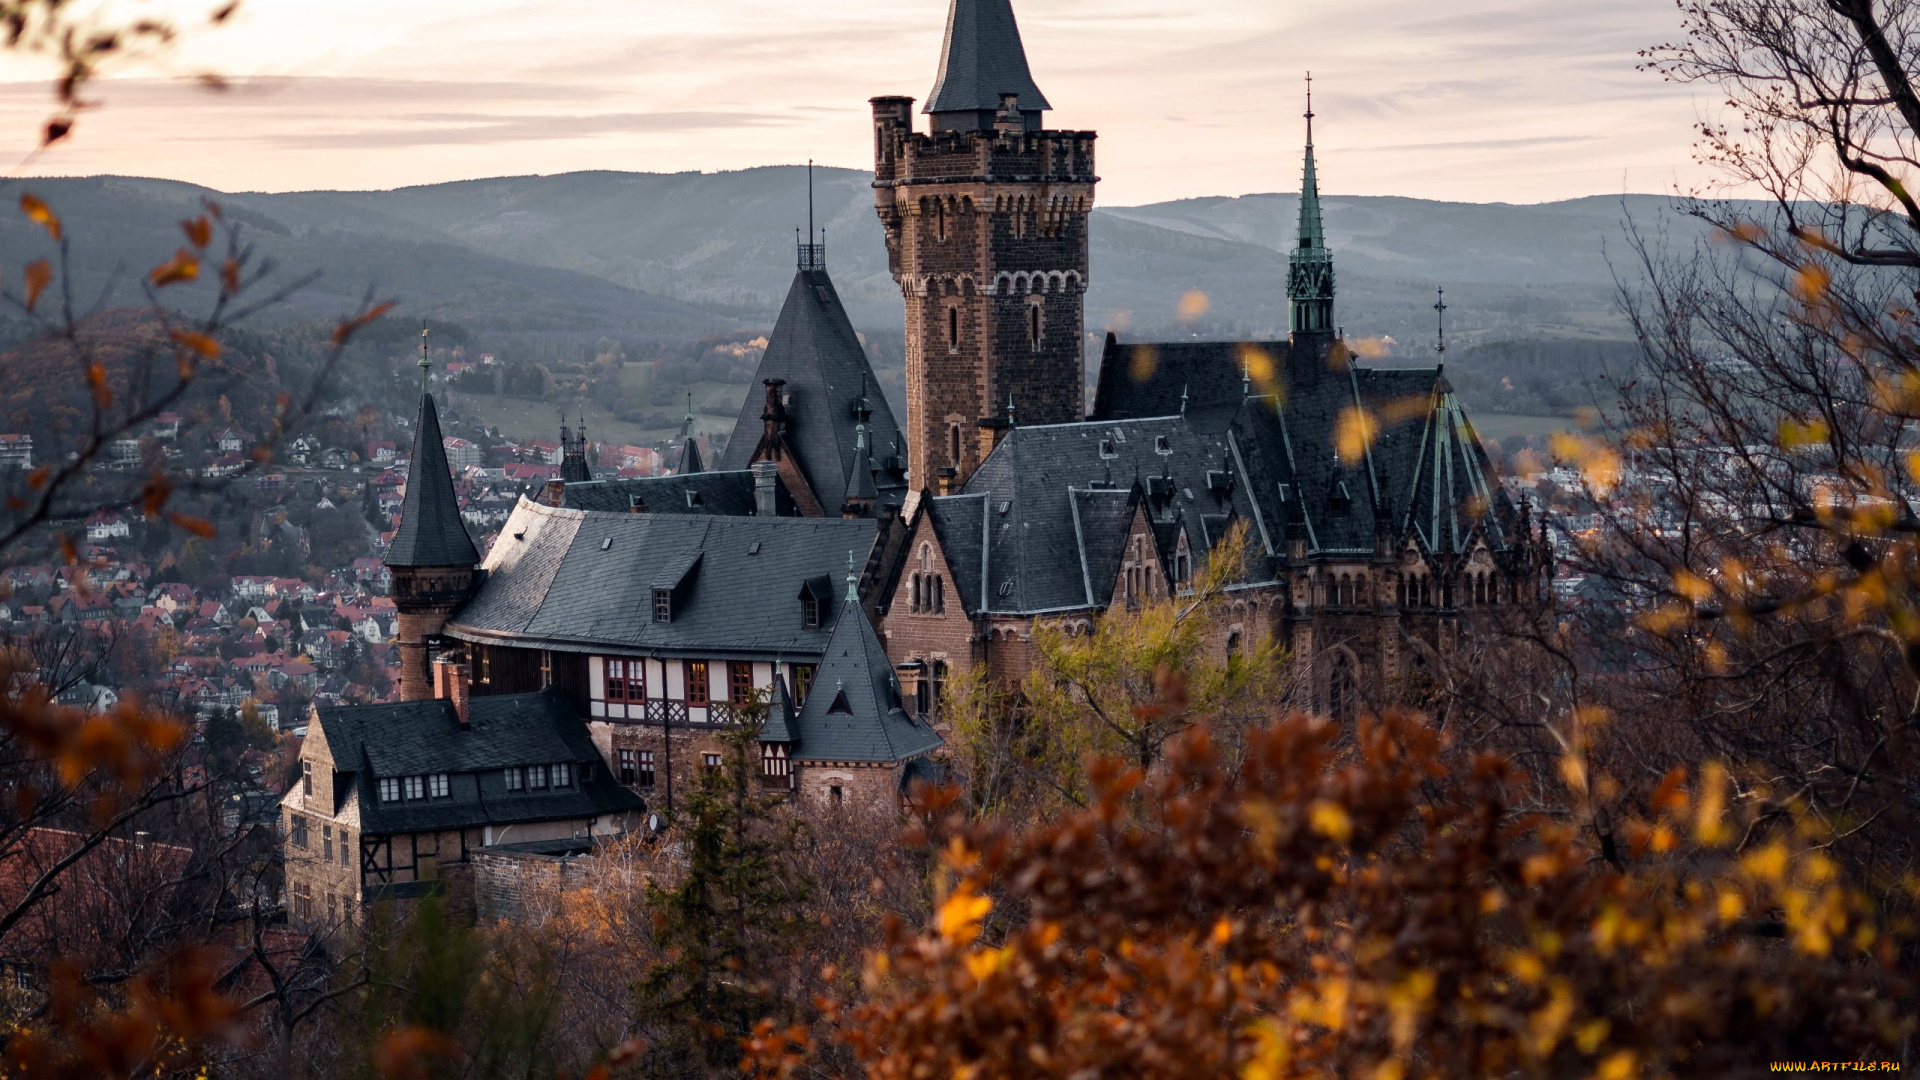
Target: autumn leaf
[(199, 527), (960, 916), (38, 212), (97, 383), (349, 327), (199, 231), (197, 342), (184, 266), (39, 276)]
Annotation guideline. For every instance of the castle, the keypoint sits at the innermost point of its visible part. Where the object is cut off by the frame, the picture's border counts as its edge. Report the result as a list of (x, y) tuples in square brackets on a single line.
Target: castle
[(841, 567)]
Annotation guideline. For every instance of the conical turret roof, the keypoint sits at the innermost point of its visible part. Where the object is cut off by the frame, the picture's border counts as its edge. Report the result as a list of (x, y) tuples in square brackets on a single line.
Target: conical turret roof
[(431, 532), (829, 382), (983, 59), (853, 711)]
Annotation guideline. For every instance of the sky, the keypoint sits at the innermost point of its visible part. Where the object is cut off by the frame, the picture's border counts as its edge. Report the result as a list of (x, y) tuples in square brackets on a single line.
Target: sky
[(1467, 100)]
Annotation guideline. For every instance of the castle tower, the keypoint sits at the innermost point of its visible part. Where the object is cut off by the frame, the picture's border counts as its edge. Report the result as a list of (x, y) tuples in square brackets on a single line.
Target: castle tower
[(432, 558), (573, 453), (1310, 265), (986, 226)]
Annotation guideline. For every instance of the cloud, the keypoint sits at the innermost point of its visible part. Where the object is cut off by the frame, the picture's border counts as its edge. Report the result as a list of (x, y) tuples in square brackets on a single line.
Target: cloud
[(475, 129)]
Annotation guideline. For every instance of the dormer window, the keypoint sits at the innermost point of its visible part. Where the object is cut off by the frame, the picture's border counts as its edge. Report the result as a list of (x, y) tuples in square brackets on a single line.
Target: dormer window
[(810, 613), (662, 605), (1107, 449)]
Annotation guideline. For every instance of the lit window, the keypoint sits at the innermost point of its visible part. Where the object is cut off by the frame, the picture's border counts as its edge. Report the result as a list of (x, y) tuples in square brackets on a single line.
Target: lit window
[(697, 687), (389, 789), (438, 786)]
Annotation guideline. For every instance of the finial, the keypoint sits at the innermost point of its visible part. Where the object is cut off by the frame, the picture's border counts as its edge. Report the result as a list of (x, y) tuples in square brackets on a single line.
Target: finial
[(809, 200), (853, 581), (424, 362), (1440, 309), (1009, 408), (1309, 108), (1183, 399), (1246, 377)]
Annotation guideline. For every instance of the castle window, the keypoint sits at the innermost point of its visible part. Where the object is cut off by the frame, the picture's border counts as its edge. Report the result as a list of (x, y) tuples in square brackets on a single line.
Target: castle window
[(326, 842), (346, 841), (416, 787), (953, 444), (913, 592), (516, 779), (710, 762), (1034, 326), (297, 830), (663, 605), (953, 329), (810, 613), (939, 595), (537, 777), (802, 682), (306, 778), (628, 766), (646, 768), (438, 786), (939, 682), (739, 682), (697, 689), (562, 775), (940, 218), (627, 680), (833, 794)]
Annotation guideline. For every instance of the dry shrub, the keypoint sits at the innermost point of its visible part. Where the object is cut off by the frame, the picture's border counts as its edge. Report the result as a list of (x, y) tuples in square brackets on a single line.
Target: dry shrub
[(1374, 908)]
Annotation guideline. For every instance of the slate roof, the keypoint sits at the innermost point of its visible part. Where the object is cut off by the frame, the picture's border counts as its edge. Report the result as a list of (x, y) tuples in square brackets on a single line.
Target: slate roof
[(711, 493), (414, 738), (689, 461), (983, 58), (579, 582), (1423, 446), (431, 532), (854, 710), (814, 348), (1055, 500)]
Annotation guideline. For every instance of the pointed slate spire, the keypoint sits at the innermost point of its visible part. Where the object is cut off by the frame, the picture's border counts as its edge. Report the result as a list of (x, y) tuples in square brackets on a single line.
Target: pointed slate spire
[(431, 532), (982, 60), (1310, 269), (689, 449), (855, 712)]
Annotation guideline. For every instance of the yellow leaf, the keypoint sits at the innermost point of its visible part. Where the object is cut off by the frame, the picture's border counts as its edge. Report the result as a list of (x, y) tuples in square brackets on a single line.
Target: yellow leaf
[(1222, 932), (1271, 1051), (1591, 1035), (1193, 305), (1330, 820), (1355, 434), (960, 916), (38, 212), (197, 342), (184, 266), (1709, 824), (1618, 1066), (1811, 282)]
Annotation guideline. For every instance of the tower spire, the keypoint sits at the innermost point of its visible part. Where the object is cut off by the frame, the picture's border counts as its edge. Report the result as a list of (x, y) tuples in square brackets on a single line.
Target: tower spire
[(983, 63), (1310, 265), (813, 253)]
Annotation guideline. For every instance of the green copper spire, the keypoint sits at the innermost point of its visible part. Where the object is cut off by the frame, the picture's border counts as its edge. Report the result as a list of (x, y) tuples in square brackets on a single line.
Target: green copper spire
[(1310, 266)]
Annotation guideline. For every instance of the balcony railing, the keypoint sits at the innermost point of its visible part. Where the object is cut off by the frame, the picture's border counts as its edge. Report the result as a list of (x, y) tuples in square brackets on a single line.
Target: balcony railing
[(660, 713)]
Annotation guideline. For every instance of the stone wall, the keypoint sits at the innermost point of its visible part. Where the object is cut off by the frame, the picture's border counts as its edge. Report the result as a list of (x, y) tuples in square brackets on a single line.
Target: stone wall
[(515, 886), (861, 785)]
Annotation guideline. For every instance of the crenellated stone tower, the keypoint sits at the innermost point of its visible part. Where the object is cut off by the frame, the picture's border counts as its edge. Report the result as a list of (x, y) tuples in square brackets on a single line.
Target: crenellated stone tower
[(986, 226)]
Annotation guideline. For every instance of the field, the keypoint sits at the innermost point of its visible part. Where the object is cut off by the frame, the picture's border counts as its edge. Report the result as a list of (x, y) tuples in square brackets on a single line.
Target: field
[(715, 406)]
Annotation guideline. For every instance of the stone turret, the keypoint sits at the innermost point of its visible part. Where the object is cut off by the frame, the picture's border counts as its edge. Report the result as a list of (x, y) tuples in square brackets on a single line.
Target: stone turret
[(986, 226), (432, 558)]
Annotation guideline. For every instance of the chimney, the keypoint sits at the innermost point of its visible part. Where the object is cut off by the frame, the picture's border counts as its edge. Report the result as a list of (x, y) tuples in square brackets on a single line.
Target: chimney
[(451, 682), (992, 430), (1009, 119), (766, 481)]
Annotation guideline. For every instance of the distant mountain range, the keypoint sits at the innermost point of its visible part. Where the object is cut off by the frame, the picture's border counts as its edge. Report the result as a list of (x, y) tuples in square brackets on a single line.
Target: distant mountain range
[(672, 257)]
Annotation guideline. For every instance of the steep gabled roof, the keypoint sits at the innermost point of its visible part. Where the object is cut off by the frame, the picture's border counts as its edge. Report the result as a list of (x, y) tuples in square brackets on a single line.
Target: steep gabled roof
[(415, 738), (854, 712), (431, 532), (814, 349), (577, 581), (983, 58)]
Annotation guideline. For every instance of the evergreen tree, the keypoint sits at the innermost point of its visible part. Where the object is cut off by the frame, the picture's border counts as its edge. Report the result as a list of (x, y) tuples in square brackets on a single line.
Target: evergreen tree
[(728, 927)]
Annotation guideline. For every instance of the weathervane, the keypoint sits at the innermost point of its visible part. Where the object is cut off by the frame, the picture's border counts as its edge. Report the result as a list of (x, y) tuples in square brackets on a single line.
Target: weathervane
[(426, 365), (1440, 320)]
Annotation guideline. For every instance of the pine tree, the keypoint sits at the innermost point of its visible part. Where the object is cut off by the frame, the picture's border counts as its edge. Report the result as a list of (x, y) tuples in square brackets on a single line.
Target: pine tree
[(727, 929)]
